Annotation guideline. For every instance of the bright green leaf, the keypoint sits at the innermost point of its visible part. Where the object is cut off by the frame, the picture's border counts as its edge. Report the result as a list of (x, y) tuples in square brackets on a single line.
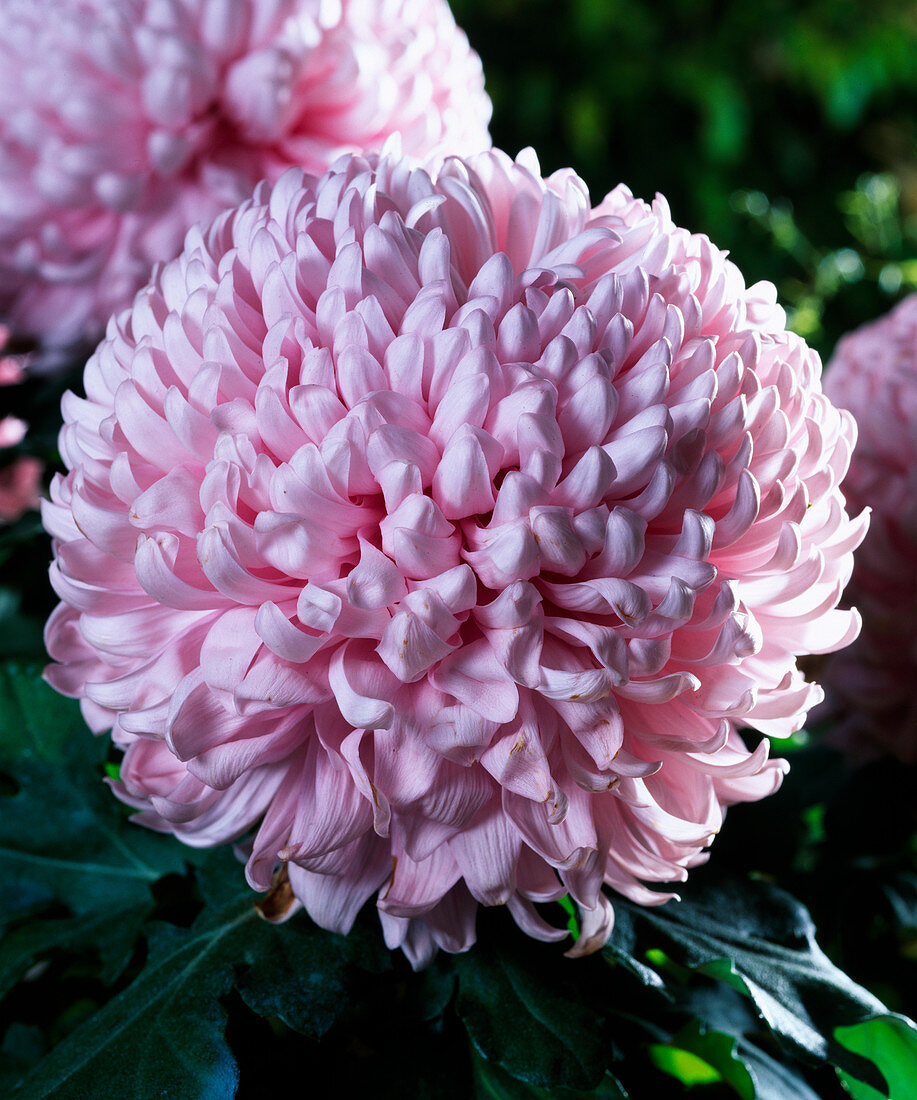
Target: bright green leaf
[(891, 1043), (566, 903), (684, 1066), (717, 1050)]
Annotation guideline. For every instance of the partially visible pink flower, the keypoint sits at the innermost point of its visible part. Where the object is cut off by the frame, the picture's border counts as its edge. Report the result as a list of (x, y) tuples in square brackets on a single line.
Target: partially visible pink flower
[(11, 372), (124, 122), (20, 479), (874, 374), (443, 530), (12, 431), (20, 484)]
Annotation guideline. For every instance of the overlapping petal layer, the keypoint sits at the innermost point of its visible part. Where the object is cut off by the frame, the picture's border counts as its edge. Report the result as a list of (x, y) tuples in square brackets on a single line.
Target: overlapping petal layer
[(874, 374), (441, 530), (124, 122)]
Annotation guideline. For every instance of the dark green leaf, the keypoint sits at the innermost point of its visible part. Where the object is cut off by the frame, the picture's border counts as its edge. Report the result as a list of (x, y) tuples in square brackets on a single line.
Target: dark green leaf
[(493, 1083), (524, 1011), (436, 987), (63, 837), (305, 978), (21, 1049), (168, 1024), (77, 876), (165, 1031), (20, 635), (112, 932), (902, 898), (622, 949), (773, 1080)]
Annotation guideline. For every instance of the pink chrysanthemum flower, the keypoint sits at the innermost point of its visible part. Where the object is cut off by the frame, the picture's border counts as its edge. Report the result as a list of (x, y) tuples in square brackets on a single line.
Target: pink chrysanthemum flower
[(442, 531), (124, 122), (874, 374)]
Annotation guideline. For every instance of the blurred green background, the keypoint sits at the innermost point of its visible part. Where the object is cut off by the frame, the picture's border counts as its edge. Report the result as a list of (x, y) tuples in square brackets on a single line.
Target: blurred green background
[(786, 131)]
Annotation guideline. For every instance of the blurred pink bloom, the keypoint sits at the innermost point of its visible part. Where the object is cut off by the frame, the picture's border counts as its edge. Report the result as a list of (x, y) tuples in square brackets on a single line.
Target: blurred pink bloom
[(12, 431), (11, 372), (874, 374), (124, 122), (20, 482), (443, 530)]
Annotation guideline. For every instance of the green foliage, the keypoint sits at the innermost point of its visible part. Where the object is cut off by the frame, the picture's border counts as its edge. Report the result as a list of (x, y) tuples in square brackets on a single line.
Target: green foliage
[(543, 1032), (726, 71), (168, 1025), (697, 1056), (23, 553), (20, 635), (493, 1083), (761, 942), (828, 290), (64, 853)]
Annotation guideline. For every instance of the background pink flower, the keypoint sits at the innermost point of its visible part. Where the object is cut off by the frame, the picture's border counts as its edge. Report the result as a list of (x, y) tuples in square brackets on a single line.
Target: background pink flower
[(20, 478), (442, 530), (20, 485), (123, 122), (873, 373), (11, 371)]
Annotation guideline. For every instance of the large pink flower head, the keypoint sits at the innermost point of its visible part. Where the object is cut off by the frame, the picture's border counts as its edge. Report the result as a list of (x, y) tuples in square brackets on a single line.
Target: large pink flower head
[(874, 374), (124, 122), (441, 530)]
